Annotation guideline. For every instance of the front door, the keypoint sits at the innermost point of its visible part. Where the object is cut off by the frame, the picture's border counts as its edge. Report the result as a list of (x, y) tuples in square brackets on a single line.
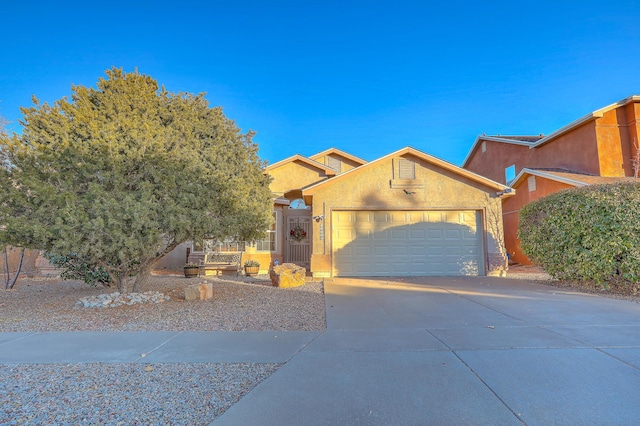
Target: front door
[(298, 237)]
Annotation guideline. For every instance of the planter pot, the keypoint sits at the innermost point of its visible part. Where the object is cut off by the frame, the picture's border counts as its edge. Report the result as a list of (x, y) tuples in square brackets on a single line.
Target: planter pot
[(191, 272), (251, 270)]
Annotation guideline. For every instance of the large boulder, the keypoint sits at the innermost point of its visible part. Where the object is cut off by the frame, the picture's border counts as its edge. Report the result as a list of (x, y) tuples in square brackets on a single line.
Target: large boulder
[(288, 275), (202, 291)]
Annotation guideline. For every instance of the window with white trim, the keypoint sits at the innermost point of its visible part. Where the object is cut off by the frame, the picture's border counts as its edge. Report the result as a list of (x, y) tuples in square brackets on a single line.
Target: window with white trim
[(211, 244), (269, 242), (233, 245), (510, 173), (531, 181), (484, 146)]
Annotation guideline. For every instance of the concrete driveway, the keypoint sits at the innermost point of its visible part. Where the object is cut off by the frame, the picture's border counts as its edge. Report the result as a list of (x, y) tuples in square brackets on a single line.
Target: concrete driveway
[(457, 351)]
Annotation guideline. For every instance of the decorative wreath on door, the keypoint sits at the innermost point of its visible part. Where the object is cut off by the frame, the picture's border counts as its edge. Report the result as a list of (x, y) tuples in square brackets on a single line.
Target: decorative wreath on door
[(298, 233)]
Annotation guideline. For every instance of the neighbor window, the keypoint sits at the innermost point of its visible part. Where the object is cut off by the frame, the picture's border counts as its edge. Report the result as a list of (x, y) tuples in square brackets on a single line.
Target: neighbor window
[(510, 173), (406, 168), (484, 146), (532, 183)]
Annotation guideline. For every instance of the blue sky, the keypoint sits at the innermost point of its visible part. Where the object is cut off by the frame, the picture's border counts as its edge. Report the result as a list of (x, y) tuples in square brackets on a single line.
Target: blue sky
[(368, 77)]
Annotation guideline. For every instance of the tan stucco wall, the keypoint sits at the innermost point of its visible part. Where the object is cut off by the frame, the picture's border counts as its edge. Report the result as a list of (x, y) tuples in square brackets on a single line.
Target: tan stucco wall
[(294, 175), (370, 188)]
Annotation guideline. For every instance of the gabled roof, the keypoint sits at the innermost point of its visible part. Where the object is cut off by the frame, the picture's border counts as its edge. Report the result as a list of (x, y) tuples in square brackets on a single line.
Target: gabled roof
[(340, 153), (423, 156), (328, 170), (525, 140), (566, 176)]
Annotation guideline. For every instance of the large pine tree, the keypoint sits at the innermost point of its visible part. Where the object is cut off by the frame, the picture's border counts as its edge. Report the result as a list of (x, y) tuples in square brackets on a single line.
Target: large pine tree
[(121, 174)]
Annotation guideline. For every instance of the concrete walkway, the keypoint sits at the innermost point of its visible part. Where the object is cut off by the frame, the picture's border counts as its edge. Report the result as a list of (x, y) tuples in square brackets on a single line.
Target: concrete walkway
[(413, 351)]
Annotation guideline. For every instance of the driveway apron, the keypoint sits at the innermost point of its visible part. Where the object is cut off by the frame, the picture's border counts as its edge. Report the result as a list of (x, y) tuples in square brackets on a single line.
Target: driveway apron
[(475, 350)]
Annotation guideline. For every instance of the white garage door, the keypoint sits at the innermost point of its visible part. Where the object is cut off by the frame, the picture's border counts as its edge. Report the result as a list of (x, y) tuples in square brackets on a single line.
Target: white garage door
[(407, 243)]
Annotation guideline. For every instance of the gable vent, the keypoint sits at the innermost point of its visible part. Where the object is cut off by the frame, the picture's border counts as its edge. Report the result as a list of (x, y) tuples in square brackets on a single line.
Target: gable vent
[(334, 163), (407, 168)]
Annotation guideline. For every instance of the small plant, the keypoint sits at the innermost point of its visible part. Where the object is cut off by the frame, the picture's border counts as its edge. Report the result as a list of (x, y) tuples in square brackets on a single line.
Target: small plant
[(251, 262), (191, 265)]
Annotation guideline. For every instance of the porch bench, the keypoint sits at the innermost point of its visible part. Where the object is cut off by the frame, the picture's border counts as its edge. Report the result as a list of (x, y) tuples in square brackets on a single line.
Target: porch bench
[(221, 262)]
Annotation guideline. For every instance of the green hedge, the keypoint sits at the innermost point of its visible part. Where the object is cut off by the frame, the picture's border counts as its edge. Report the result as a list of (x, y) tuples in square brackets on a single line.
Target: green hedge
[(590, 233)]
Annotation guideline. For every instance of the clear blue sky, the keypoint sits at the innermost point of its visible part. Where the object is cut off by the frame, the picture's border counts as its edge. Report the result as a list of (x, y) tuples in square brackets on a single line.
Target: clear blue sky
[(368, 77)]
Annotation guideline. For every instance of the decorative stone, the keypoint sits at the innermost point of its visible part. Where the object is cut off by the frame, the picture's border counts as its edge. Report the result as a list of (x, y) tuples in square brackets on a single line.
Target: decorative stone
[(116, 299), (287, 275), (202, 291)]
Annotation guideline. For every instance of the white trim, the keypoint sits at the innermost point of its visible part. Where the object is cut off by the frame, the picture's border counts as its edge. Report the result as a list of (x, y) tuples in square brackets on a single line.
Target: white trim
[(340, 153), (550, 176), (580, 121), (299, 157), (424, 156), (494, 139)]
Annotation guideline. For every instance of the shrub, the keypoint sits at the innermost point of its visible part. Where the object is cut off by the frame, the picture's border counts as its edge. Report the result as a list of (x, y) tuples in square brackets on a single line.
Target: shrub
[(76, 268), (590, 233)]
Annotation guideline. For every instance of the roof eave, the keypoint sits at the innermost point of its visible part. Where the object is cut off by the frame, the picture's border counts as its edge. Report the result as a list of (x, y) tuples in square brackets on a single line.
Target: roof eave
[(434, 160), (517, 180)]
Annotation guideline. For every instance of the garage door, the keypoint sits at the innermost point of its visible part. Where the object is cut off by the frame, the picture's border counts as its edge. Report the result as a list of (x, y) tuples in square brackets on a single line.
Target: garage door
[(407, 243)]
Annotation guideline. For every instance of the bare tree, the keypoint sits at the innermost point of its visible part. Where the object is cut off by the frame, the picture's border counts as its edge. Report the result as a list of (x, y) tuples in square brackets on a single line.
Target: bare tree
[(9, 282), (635, 160)]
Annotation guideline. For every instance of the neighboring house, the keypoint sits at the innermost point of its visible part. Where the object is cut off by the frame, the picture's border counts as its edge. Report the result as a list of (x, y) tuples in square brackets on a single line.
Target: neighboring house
[(600, 147), (407, 213)]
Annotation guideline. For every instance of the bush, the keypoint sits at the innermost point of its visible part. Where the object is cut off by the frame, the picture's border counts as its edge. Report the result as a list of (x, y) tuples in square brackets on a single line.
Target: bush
[(590, 233), (76, 268)]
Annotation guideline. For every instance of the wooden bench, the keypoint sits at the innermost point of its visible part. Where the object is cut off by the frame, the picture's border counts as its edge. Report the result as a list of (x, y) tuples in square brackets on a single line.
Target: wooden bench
[(221, 262)]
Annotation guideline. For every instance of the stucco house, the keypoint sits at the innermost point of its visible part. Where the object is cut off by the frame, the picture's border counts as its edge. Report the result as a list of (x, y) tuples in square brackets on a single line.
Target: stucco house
[(600, 147), (407, 213)]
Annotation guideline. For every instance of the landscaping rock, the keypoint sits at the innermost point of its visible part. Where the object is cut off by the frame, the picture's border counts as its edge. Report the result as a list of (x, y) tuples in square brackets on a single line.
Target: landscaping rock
[(288, 275), (116, 299), (202, 291)]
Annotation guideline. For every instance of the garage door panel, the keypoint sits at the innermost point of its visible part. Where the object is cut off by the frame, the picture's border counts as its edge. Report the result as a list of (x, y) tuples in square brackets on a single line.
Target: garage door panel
[(398, 243)]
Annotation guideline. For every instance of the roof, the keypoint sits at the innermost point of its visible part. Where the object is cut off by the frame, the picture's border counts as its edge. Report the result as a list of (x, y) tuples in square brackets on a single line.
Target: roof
[(541, 140), (328, 170), (341, 153), (281, 201), (423, 156), (568, 177)]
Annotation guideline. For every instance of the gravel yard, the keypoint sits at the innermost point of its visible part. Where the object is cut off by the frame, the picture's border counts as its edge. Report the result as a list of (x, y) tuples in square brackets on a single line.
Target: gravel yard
[(238, 304), (137, 393)]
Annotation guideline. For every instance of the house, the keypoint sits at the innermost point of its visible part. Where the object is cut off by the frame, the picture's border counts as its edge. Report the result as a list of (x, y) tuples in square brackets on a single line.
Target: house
[(601, 147), (407, 213)]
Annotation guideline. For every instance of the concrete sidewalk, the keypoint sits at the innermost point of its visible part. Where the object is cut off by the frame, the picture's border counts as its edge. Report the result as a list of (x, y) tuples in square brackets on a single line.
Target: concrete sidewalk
[(414, 351), (151, 347)]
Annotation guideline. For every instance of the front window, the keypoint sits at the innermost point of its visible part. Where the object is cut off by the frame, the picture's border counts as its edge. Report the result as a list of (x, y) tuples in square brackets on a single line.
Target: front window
[(212, 245), (269, 242), (233, 245)]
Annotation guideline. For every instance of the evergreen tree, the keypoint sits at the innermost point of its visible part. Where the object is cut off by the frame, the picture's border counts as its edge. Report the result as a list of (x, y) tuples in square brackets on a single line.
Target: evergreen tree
[(121, 174)]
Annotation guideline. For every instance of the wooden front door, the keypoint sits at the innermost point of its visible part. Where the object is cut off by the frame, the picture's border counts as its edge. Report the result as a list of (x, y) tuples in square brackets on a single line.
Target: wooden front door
[(298, 237)]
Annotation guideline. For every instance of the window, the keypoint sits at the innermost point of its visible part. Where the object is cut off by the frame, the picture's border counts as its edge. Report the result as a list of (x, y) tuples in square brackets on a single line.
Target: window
[(406, 169), (233, 245), (532, 183), (269, 242), (484, 146), (210, 244), (510, 173)]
